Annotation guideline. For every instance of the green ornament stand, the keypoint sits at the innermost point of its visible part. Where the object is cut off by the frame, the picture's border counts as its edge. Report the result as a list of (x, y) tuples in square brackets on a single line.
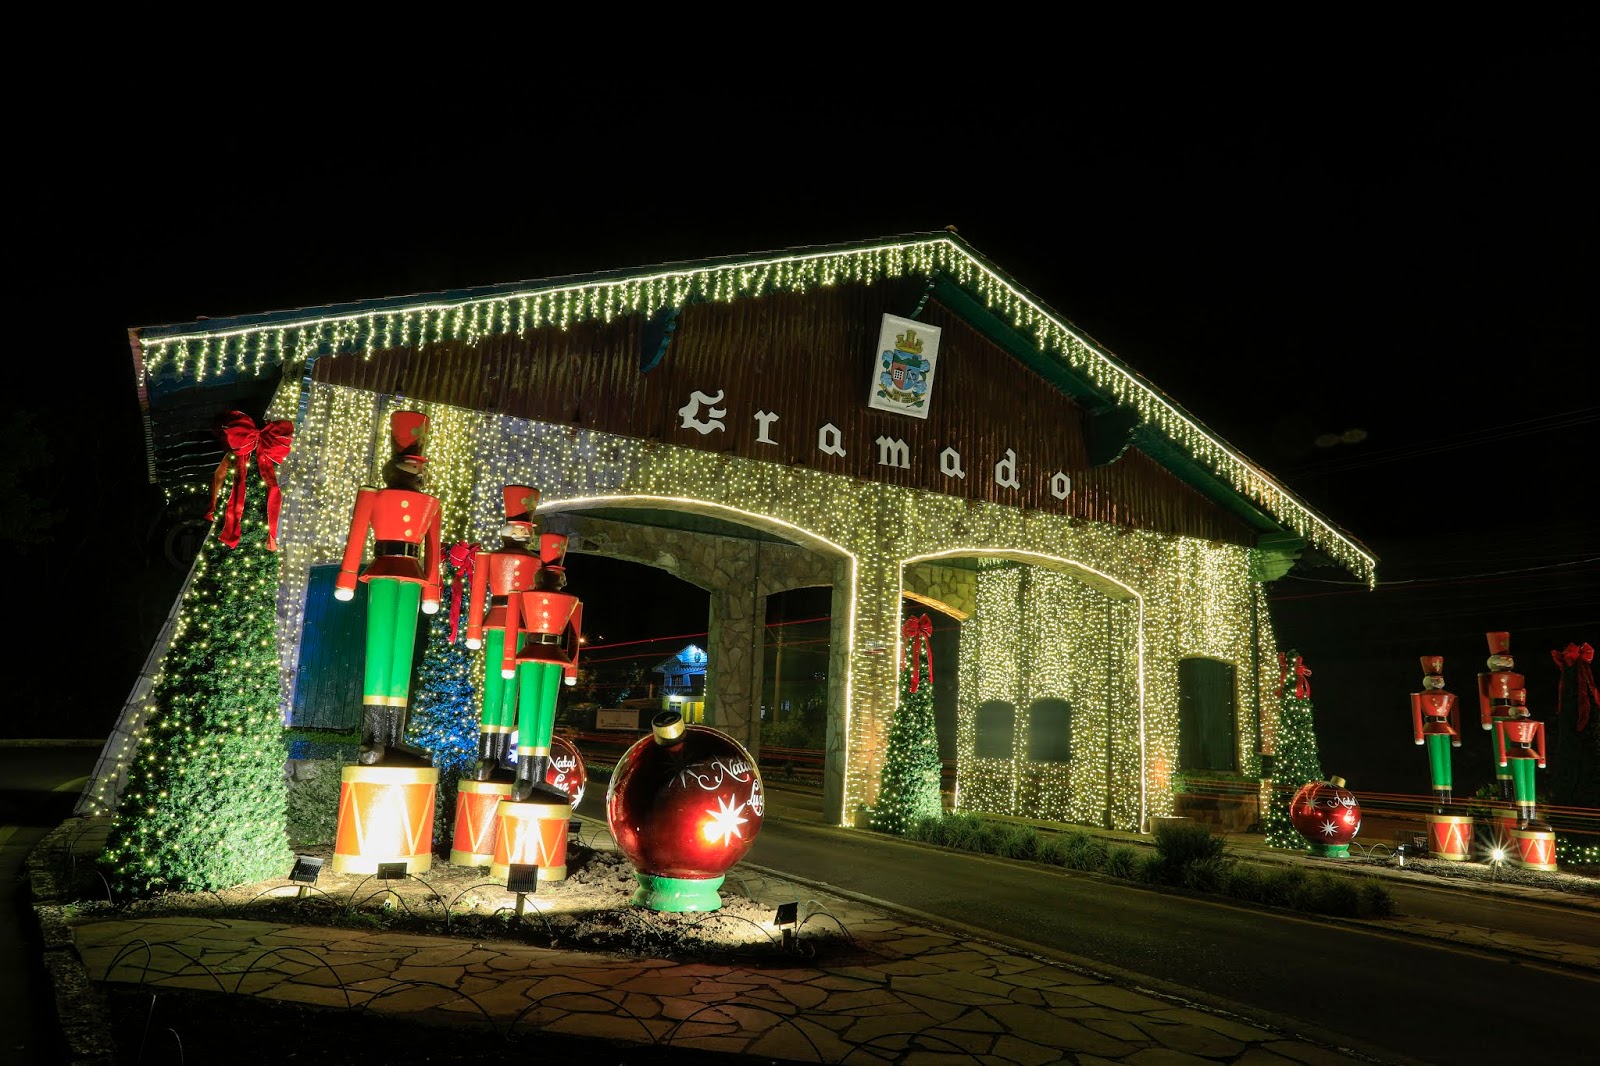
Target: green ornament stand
[(677, 894)]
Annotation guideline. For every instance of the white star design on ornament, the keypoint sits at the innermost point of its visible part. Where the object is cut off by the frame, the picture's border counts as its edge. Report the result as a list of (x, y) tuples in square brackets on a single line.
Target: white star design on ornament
[(724, 821), (1329, 829)]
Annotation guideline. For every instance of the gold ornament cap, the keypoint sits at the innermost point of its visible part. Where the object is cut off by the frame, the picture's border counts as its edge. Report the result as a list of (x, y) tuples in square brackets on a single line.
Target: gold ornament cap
[(668, 727), (1336, 782)]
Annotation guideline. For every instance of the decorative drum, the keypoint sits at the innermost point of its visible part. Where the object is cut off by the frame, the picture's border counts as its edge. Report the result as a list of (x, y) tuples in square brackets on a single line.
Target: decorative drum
[(531, 834), (684, 805), (476, 804), (1536, 849), (1449, 837), (385, 815), (1498, 831)]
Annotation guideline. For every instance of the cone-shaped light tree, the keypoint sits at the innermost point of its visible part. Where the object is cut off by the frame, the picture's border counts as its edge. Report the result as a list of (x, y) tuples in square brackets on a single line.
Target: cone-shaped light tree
[(1297, 760), (910, 789), (205, 801), (444, 706)]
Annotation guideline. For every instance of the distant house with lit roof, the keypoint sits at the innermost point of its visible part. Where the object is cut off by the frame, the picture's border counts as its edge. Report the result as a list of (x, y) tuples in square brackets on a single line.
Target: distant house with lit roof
[(683, 682)]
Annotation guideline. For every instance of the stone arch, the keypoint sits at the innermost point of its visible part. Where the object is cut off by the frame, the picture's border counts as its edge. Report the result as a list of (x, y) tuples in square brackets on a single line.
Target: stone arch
[(739, 575)]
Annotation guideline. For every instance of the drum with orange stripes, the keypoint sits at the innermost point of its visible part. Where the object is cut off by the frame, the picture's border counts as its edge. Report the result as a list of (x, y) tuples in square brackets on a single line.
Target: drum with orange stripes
[(385, 816), (531, 834), (1536, 848), (1449, 837), (477, 803)]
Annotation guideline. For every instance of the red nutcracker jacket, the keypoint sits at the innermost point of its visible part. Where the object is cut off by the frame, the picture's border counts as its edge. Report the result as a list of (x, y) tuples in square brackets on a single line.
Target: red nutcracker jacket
[(552, 614), (1441, 713), (1494, 695), (405, 530), (502, 575), (1528, 736)]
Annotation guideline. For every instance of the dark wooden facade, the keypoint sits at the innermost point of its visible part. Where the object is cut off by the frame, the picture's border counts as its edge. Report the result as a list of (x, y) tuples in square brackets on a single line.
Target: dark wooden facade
[(810, 358)]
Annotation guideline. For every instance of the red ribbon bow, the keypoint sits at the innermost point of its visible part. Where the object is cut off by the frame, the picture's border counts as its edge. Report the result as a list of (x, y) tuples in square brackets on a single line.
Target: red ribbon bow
[(1577, 659), (270, 443), (1302, 687), (916, 632), (461, 558)]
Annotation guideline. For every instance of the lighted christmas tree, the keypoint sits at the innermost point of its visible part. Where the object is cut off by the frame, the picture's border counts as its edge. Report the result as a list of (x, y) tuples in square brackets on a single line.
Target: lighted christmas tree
[(910, 788), (444, 705), (204, 806), (1296, 759)]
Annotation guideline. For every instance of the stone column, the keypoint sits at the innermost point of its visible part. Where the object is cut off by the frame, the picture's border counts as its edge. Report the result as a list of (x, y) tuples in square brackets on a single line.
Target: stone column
[(873, 682), (733, 643)]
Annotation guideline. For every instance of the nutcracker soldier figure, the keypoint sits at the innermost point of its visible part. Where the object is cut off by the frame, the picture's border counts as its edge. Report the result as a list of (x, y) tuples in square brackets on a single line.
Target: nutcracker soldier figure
[(1494, 699), (551, 622), (404, 522), (500, 578), (1436, 722), (1519, 744)]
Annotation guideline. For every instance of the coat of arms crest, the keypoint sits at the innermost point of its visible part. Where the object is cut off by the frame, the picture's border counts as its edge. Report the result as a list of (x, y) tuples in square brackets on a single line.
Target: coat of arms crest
[(905, 366)]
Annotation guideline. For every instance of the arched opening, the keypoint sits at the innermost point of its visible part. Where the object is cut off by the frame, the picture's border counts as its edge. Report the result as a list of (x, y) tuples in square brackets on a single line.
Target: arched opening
[(1050, 719)]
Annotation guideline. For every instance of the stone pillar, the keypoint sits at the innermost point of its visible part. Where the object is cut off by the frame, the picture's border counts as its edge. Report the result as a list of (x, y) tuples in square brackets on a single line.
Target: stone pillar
[(733, 643), (873, 681)]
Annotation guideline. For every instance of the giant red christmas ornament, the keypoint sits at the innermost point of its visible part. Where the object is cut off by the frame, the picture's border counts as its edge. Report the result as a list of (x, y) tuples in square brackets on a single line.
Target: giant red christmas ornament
[(1328, 815), (684, 805), (566, 771)]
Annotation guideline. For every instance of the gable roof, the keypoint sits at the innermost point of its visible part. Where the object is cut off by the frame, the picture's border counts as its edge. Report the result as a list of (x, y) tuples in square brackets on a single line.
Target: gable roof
[(173, 361), (691, 656)]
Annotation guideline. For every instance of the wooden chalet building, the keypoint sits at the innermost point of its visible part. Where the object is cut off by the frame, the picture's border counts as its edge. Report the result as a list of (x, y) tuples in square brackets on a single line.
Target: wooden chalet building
[(895, 418)]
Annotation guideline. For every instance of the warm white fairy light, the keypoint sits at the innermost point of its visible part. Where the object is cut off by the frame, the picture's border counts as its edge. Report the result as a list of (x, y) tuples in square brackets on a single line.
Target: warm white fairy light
[(1171, 596), (195, 353)]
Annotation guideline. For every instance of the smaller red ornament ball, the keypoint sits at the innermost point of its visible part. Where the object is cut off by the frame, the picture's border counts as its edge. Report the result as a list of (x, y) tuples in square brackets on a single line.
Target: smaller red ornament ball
[(1326, 813), (684, 802), (565, 770)]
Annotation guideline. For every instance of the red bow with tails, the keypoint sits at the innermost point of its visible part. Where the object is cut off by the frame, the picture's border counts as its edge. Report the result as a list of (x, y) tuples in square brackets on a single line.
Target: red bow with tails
[(461, 558), (916, 632), (1302, 674), (1579, 656), (270, 443)]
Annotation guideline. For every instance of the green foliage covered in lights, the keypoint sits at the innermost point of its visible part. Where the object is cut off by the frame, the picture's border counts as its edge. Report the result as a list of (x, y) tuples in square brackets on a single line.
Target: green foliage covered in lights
[(205, 803), (910, 787), (444, 710), (1297, 762)]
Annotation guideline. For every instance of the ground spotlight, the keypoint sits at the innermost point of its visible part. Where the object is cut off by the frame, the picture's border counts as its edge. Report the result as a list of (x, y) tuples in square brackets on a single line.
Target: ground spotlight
[(307, 868), (523, 879), (787, 917)]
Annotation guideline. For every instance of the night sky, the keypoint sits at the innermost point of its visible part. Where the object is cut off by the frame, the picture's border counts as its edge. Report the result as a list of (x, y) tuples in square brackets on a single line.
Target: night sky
[(1368, 268)]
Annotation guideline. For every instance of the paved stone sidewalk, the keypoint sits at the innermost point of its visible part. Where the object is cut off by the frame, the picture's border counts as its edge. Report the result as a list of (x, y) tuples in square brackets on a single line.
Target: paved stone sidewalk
[(910, 994)]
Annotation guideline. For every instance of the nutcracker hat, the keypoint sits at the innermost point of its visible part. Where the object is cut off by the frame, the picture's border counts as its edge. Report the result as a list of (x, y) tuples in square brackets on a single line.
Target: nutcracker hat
[(409, 431), (520, 502), (1433, 664), (1499, 643), (553, 550)]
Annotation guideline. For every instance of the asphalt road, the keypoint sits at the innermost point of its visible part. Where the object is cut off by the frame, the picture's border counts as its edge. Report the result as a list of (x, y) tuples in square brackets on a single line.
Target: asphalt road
[(1331, 982)]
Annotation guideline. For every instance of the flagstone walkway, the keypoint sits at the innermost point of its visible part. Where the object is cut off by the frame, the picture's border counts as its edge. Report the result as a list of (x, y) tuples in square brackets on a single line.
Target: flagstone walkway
[(909, 994)]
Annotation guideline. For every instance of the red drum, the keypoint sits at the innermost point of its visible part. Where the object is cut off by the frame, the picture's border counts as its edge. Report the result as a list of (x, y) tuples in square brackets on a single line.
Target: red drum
[(1449, 837), (476, 804), (385, 815), (1536, 849), (531, 834)]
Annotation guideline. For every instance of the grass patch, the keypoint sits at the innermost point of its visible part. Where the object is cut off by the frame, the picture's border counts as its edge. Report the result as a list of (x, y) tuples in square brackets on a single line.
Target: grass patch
[(1190, 857)]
